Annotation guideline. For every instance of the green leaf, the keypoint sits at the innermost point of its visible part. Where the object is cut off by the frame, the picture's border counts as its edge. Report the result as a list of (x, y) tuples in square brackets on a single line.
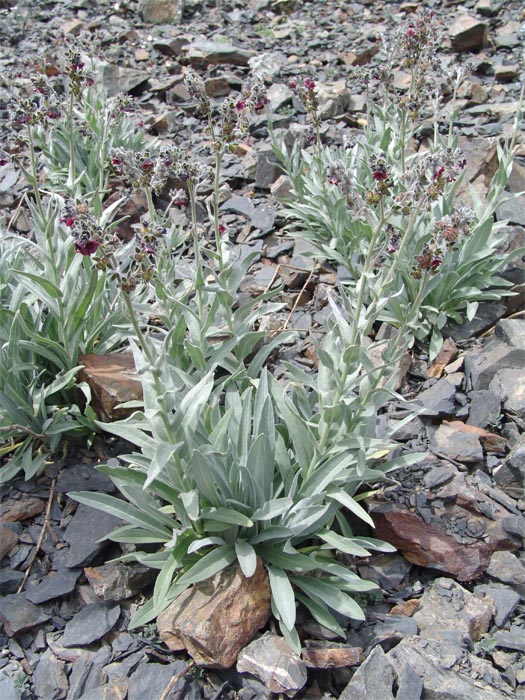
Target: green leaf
[(321, 613), (227, 515), (209, 565), (342, 497), (283, 595), (325, 592), (343, 544), (273, 508), (246, 557)]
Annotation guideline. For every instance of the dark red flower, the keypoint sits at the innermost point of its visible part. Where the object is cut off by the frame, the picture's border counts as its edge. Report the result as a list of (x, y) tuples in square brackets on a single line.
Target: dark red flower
[(86, 246), (222, 229), (240, 105), (53, 113), (380, 175), (309, 84), (439, 172), (147, 164), (292, 84)]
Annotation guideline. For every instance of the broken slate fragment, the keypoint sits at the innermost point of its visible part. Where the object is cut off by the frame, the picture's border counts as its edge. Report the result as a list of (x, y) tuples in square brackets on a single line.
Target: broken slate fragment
[(90, 624), (18, 614), (53, 586), (84, 477), (456, 444), (323, 654), (271, 660), (49, 678), (118, 581), (504, 598), (484, 362), (212, 53), (373, 679), (83, 533), (509, 386), (439, 399), (150, 681), (468, 34)]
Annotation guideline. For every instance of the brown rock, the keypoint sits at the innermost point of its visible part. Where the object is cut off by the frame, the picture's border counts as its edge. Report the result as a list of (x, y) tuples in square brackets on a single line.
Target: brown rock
[(407, 608), (491, 442), (215, 619), (131, 210), (112, 379), (270, 659), (72, 27), (444, 357), (435, 540), (8, 539), (319, 655), (467, 34), (118, 581), (14, 511)]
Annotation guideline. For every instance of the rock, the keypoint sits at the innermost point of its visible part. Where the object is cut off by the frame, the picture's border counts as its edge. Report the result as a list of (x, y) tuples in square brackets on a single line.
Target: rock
[(506, 73), (21, 509), (211, 53), (488, 8), (90, 624), (373, 679), (444, 670), (113, 380), (84, 533), (8, 690), (271, 660), (512, 210), (389, 571), (10, 580), (407, 607), (439, 399), (18, 614), (508, 36), (116, 79), (49, 678), (118, 581), (511, 639), (8, 539), (215, 619), (453, 528), (509, 386), (267, 168), (506, 567), (83, 477), (161, 11), (150, 681), (88, 673), (456, 444), (53, 586), (484, 408), (468, 34), (483, 363), (504, 599), (72, 27), (390, 630), (108, 691), (445, 356), (448, 606), (330, 655)]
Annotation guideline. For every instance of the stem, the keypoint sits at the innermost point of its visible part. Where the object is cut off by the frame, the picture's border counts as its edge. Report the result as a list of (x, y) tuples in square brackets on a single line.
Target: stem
[(199, 275), (215, 207), (34, 172), (72, 170), (152, 212), (144, 343)]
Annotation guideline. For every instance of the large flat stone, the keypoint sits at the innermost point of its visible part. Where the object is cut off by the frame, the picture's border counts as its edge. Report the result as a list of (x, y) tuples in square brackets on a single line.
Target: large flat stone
[(113, 380)]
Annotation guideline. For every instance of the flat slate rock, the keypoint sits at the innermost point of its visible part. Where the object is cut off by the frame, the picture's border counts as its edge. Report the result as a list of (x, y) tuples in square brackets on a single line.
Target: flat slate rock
[(90, 624), (83, 477), (19, 615), (54, 586), (150, 681), (83, 533), (8, 689)]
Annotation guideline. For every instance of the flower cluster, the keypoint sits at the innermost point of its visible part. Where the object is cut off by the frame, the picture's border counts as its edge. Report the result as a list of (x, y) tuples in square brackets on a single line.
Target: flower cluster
[(142, 170), (445, 234), (75, 68), (306, 91), (83, 227), (42, 107)]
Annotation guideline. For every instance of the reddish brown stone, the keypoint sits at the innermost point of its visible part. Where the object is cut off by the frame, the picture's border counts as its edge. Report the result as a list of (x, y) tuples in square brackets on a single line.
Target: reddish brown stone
[(332, 657), (8, 539), (14, 511), (214, 620), (112, 379), (491, 442), (407, 608), (445, 356)]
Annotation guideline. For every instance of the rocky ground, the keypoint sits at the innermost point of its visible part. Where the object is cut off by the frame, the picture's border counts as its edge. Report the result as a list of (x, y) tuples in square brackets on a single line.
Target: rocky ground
[(449, 623)]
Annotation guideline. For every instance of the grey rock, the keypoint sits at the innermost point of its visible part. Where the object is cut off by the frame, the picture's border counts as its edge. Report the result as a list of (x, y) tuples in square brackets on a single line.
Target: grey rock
[(8, 689), (444, 671), (118, 581), (8, 539), (109, 691), (456, 444), (49, 678), (515, 524), (83, 533), (54, 586), (84, 477), (88, 673), (19, 615), (10, 580), (161, 11), (271, 660), (509, 386), (484, 408), (511, 639), (373, 679), (388, 570), (467, 34), (504, 598), (239, 205), (267, 168), (439, 399), (506, 567), (150, 681), (279, 95), (116, 80), (123, 669), (437, 476), (212, 53), (448, 606), (483, 363), (90, 624), (488, 313), (508, 36), (409, 684), (390, 631)]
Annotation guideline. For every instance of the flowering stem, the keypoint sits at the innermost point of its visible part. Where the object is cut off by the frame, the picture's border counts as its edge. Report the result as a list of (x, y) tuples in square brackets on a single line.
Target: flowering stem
[(199, 276), (34, 172), (72, 170), (215, 207), (152, 212)]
